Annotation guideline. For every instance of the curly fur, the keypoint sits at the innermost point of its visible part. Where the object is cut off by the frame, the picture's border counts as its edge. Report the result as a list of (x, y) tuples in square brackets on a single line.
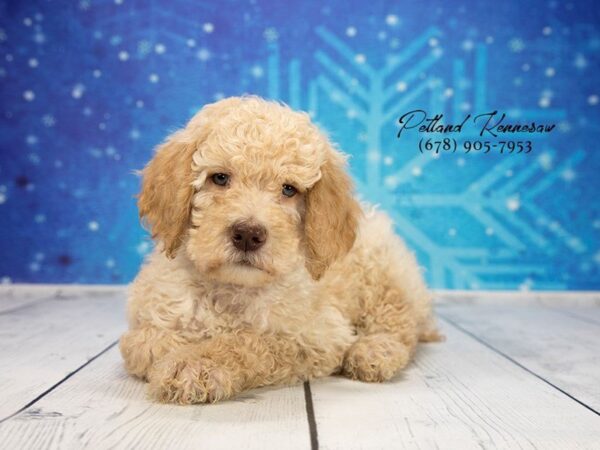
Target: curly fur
[(333, 290)]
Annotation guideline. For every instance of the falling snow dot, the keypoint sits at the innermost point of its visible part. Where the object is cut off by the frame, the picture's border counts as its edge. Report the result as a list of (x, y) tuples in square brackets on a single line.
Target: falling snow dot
[(545, 160), (433, 42), (39, 38), (33, 63), (468, 45), (256, 71), (373, 155), (452, 232), (489, 39), (391, 20), (208, 27), (110, 263), (550, 72), (139, 103), (489, 231), (49, 120), (526, 285), (568, 174), (78, 90), (271, 34), (401, 86), (153, 78), (388, 160), (143, 248), (144, 47), (191, 43), (417, 171), (390, 182), (546, 31), (513, 204), (123, 55), (203, 54), (360, 58), (160, 48), (27, 22), (593, 99), (2, 198), (448, 92), (93, 225), (28, 95), (525, 67), (516, 45), (97, 73), (350, 31), (460, 162), (580, 61), (544, 102)]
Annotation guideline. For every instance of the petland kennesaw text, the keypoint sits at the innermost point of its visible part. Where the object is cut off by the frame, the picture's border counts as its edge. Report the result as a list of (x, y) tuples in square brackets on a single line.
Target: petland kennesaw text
[(486, 124)]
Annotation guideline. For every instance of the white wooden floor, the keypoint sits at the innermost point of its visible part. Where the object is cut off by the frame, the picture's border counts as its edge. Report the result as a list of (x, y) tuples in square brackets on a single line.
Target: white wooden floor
[(516, 371)]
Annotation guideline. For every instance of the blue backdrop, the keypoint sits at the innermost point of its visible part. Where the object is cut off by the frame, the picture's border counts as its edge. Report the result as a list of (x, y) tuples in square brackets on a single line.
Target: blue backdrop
[(88, 88)]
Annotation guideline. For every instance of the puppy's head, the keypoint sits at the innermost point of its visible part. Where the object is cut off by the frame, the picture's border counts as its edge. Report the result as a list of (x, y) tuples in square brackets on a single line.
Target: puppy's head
[(250, 191)]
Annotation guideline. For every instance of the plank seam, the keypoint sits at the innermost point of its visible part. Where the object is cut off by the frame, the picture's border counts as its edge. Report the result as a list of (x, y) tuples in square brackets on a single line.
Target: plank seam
[(25, 305), (310, 416), (51, 388), (574, 316), (515, 362)]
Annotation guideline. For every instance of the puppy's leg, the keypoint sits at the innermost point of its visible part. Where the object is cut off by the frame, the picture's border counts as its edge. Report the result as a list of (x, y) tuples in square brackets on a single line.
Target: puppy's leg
[(394, 304), (143, 346), (388, 335), (228, 364)]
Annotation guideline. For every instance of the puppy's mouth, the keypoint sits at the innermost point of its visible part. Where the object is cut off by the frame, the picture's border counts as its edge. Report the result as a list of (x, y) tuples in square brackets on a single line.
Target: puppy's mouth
[(245, 261)]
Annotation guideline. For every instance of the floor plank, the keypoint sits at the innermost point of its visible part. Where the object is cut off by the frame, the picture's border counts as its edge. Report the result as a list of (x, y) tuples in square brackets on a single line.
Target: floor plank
[(556, 346), (102, 407), (590, 315), (458, 394), (44, 339)]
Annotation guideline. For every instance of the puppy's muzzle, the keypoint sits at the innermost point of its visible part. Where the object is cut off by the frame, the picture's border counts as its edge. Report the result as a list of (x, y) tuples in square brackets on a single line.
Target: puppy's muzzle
[(248, 236)]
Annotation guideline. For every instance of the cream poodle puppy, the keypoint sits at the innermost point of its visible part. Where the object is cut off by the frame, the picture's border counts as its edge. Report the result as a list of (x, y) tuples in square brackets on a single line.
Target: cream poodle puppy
[(267, 270)]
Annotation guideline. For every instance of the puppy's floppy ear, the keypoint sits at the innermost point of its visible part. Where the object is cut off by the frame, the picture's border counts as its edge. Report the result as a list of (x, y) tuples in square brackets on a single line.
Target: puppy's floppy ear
[(165, 199), (332, 216)]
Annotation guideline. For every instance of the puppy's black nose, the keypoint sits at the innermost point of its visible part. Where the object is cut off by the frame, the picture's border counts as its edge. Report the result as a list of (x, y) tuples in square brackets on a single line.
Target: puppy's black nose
[(248, 236)]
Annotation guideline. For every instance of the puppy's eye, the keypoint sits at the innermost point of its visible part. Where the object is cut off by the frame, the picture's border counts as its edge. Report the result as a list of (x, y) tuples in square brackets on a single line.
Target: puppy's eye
[(220, 179), (289, 190)]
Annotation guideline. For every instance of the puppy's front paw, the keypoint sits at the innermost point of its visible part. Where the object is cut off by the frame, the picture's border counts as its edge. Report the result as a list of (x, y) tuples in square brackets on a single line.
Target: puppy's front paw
[(375, 358), (200, 380)]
